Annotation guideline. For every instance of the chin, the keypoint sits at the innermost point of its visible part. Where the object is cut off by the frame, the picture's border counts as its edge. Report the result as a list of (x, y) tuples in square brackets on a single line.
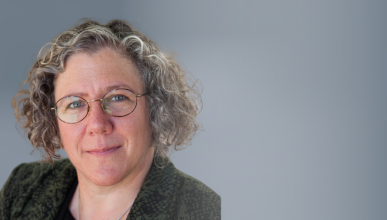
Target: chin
[(105, 175), (106, 181)]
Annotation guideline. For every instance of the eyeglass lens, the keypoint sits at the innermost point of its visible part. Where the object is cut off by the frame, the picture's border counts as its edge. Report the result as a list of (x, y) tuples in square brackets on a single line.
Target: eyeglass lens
[(117, 103)]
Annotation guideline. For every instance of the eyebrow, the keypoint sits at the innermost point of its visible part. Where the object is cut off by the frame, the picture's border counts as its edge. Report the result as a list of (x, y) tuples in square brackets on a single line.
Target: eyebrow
[(106, 90), (119, 86)]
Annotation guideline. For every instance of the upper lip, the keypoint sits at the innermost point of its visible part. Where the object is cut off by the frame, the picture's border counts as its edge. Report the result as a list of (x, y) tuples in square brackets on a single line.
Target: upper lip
[(102, 149)]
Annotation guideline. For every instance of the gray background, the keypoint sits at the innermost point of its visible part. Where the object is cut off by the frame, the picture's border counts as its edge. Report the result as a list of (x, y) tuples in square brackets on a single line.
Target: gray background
[(294, 117)]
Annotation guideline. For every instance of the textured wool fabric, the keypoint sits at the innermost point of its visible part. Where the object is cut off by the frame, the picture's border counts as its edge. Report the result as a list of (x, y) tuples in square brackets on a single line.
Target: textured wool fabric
[(36, 191)]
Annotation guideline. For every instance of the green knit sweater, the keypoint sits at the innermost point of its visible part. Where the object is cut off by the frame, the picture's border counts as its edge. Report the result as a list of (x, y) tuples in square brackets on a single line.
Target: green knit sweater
[(36, 191)]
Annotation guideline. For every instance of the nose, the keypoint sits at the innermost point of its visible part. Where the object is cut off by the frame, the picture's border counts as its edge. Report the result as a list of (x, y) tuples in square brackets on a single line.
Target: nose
[(98, 122)]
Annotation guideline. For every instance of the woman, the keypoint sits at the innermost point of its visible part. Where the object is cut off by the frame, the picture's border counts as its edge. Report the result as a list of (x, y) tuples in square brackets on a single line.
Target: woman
[(116, 104)]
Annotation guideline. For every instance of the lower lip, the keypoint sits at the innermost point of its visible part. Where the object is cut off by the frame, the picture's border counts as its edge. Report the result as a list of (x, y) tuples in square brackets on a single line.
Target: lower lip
[(104, 153)]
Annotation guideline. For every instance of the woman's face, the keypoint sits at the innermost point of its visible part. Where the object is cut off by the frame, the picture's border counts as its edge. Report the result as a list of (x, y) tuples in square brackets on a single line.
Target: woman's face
[(104, 149)]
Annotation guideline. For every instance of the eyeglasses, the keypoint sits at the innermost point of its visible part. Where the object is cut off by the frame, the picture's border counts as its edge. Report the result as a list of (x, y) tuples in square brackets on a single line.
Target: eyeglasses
[(117, 103)]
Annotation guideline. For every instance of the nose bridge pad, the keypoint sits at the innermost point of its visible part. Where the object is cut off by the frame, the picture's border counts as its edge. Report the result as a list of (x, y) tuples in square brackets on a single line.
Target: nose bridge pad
[(106, 109), (103, 107), (88, 104)]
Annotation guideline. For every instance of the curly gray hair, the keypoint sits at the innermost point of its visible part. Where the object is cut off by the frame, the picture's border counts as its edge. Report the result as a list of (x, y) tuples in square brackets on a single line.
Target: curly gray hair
[(173, 104)]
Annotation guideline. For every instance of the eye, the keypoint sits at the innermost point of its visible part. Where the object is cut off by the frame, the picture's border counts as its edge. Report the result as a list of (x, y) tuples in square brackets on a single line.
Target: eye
[(118, 98), (75, 105)]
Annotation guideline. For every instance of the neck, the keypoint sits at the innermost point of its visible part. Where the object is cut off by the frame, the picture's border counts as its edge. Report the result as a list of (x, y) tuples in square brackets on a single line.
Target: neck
[(91, 201)]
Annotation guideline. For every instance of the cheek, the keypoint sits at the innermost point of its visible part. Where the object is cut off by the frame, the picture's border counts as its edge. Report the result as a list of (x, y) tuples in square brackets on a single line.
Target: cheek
[(70, 135), (136, 130), (129, 128)]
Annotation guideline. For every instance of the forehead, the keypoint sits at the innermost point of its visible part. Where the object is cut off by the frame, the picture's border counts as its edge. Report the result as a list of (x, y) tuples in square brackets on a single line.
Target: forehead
[(92, 75)]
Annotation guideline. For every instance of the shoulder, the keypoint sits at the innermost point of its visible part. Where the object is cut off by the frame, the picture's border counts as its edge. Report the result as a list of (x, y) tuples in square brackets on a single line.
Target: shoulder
[(188, 184), (26, 174), (195, 198), (28, 178)]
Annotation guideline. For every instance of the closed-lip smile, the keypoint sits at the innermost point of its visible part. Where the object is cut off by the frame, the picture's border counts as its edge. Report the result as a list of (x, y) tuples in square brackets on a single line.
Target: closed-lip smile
[(103, 151)]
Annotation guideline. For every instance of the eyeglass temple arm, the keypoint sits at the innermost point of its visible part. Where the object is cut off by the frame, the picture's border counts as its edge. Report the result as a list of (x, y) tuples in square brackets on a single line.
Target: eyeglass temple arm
[(142, 95)]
